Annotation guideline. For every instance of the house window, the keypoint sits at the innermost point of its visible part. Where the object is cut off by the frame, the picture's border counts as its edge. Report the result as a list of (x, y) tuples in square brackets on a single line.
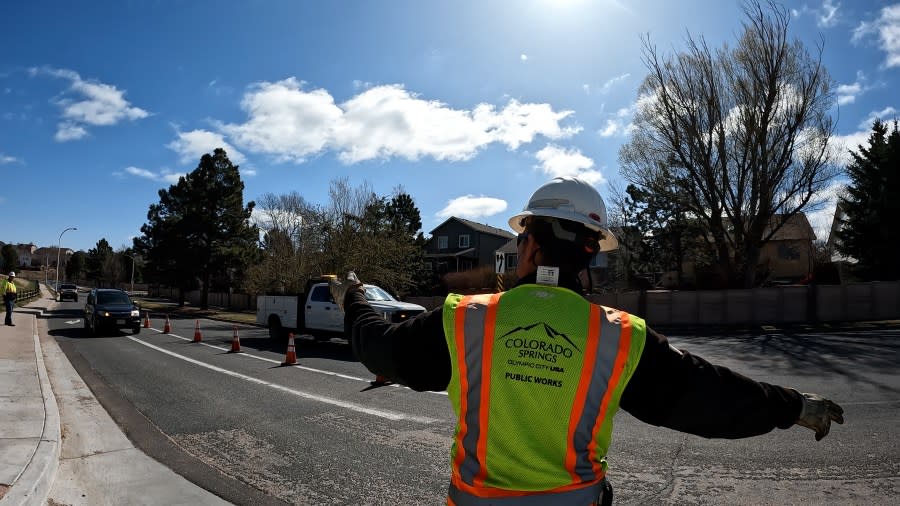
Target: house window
[(787, 252), (512, 260), (464, 241), (442, 242)]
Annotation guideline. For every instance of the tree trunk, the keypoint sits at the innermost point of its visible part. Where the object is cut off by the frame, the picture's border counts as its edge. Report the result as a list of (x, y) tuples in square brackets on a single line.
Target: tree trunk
[(204, 292), (751, 258)]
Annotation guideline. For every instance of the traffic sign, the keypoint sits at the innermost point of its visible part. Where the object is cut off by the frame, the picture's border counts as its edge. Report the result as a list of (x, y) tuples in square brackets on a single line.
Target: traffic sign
[(499, 263)]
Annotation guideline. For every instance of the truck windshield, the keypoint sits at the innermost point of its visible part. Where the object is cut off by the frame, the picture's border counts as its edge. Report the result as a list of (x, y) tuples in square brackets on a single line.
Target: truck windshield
[(376, 294)]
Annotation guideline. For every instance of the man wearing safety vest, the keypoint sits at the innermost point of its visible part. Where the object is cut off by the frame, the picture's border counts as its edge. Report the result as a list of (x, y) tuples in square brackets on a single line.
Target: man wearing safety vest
[(536, 374), (8, 289)]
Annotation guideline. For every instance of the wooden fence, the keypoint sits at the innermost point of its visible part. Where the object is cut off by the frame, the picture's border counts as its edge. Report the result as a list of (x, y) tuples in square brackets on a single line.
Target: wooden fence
[(757, 306)]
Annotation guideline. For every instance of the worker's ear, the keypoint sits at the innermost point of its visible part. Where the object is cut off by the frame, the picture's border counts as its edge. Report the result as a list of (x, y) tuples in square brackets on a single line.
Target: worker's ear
[(535, 250)]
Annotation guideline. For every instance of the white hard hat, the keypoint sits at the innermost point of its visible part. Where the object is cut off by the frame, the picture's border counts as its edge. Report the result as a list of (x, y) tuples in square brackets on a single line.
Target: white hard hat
[(569, 198), (12, 274)]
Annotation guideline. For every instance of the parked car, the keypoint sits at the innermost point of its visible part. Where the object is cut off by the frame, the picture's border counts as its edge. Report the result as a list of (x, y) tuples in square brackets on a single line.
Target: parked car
[(108, 309), (68, 291)]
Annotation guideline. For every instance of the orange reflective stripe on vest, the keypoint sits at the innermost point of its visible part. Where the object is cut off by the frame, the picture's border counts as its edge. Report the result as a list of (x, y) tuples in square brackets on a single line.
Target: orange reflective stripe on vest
[(474, 314)]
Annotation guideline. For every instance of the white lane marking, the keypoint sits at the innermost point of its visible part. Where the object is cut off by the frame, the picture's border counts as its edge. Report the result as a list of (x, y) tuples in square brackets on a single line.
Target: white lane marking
[(72, 322), (305, 368), (390, 415)]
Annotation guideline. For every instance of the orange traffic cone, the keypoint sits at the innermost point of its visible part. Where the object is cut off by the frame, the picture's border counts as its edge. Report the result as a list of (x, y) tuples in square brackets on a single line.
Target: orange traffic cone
[(291, 357), (167, 328), (379, 380), (147, 320), (235, 342), (197, 336)]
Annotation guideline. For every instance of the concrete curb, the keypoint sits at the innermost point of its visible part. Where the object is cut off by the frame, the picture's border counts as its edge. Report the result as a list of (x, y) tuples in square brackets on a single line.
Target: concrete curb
[(35, 482)]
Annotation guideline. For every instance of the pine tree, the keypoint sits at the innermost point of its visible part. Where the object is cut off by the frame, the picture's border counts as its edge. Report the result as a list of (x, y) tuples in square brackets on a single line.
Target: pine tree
[(870, 231), (201, 229)]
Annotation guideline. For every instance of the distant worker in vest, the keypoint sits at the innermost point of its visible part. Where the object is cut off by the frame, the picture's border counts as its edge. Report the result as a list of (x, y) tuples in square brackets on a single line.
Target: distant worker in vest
[(536, 374), (9, 297)]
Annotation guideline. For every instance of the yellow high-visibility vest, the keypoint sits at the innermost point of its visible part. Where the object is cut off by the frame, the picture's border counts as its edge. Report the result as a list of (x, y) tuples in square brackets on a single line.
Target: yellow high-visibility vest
[(537, 374)]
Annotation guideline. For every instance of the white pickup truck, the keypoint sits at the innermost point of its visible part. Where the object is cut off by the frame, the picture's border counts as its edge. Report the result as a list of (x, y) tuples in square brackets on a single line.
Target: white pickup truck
[(315, 312)]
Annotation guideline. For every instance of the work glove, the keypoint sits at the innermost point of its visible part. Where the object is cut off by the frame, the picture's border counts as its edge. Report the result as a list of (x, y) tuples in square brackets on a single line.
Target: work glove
[(339, 289), (817, 414)]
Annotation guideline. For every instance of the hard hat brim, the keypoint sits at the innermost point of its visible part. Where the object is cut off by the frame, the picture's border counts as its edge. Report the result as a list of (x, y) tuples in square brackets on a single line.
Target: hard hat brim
[(608, 243)]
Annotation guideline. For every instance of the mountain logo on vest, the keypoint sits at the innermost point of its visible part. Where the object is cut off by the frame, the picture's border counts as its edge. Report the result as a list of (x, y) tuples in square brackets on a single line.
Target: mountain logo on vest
[(540, 351), (536, 346)]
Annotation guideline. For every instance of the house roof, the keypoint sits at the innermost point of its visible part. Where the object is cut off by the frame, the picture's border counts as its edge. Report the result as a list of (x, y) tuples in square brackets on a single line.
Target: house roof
[(485, 229), (796, 227), (509, 247)]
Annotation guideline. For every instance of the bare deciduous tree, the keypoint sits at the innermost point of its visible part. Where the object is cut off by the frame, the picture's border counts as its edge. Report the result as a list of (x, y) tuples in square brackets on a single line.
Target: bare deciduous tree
[(741, 134), (288, 223)]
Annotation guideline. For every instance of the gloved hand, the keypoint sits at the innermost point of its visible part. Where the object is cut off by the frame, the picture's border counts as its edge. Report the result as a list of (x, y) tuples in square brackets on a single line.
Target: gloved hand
[(817, 414), (339, 289)]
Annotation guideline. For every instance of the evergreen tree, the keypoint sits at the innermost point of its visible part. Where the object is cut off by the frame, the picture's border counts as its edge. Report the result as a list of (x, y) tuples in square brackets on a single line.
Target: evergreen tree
[(75, 267), (201, 230), (100, 264), (870, 231), (10, 258)]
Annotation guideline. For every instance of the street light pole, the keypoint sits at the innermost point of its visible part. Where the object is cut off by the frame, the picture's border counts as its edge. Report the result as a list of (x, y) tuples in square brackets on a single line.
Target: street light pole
[(132, 271), (58, 242)]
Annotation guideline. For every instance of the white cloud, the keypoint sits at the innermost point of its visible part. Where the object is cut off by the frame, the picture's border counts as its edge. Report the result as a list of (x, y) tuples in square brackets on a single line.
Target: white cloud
[(886, 114), (828, 14), (843, 144), (559, 161), (285, 121), (5, 159), (164, 176), (887, 29), (620, 122), (848, 93), (192, 145), (470, 206), (821, 213), (69, 131), (523, 57), (89, 103), (610, 129), (612, 82), (292, 124), (586, 88)]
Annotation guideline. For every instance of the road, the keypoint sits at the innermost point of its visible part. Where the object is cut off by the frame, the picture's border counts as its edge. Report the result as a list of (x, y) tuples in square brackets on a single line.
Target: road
[(318, 433)]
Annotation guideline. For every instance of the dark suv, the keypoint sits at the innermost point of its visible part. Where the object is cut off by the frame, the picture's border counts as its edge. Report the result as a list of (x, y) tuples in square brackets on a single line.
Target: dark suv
[(68, 291), (108, 309)]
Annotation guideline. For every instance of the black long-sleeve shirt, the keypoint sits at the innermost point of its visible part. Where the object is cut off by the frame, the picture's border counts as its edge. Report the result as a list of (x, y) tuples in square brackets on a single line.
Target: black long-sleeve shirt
[(669, 388)]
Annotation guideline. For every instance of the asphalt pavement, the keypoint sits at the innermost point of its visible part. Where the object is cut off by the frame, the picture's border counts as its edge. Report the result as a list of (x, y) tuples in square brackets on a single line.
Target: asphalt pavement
[(57, 443)]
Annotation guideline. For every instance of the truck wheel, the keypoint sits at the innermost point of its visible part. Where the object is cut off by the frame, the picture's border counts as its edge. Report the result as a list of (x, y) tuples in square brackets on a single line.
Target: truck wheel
[(276, 331)]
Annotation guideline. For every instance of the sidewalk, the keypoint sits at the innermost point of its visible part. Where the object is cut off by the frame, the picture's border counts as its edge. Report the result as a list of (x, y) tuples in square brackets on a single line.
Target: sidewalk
[(57, 443)]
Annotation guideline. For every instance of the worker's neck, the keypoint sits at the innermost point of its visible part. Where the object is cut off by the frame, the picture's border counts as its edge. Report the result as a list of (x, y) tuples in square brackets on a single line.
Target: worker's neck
[(565, 281)]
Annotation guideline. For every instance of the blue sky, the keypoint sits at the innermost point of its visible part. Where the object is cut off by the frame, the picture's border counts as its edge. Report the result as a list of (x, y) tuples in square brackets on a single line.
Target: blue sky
[(469, 105)]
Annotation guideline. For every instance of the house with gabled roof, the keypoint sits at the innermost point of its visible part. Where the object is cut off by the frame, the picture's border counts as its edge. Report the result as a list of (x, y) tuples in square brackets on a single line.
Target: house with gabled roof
[(458, 245)]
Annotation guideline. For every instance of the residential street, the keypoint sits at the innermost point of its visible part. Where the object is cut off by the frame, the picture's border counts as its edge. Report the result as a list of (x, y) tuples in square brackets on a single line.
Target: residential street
[(317, 433)]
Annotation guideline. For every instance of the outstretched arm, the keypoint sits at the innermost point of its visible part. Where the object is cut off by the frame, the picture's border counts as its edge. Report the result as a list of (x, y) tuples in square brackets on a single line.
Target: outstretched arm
[(413, 353), (675, 389)]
